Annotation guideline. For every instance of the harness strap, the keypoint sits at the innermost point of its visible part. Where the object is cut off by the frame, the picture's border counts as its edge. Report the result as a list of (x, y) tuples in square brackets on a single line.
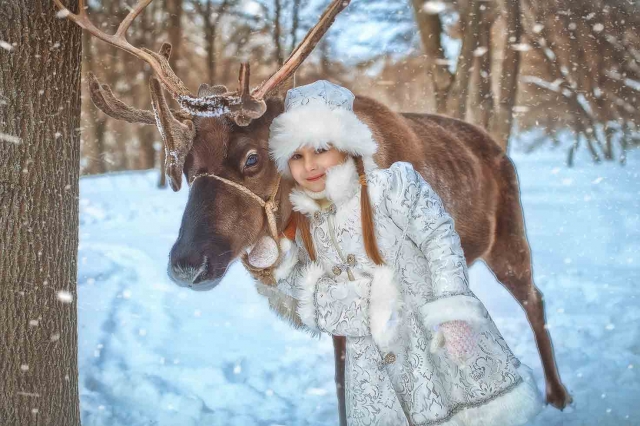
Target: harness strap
[(270, 206)]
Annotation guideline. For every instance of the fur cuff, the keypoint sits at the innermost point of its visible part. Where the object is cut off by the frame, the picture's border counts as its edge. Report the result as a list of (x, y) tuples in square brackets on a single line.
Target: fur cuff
[(459, 307), (385, 308), (290, 258), (307, 295), (513, 408)]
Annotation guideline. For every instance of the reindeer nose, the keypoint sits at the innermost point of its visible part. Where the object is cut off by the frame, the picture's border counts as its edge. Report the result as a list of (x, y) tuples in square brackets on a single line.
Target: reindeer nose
[(198, 266), (187, 266)]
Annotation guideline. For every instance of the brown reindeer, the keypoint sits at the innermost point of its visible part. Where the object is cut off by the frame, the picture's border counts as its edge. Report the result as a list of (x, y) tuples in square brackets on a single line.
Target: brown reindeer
[(221, 137)]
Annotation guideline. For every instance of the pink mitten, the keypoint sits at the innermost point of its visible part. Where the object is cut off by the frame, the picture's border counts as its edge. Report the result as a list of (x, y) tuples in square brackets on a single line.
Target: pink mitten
[(459, 340), (264, 254)]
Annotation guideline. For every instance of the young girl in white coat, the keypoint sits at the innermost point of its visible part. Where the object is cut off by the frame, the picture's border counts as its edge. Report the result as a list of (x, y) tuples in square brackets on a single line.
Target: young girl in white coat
[(376, 258)]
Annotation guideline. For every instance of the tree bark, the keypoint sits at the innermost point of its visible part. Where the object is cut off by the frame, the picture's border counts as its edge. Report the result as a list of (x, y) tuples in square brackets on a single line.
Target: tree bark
[(39, 170), (503, 119)]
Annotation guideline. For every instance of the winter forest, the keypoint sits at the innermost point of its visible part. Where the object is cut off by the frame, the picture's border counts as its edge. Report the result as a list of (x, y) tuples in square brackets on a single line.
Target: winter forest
[(95, 330)]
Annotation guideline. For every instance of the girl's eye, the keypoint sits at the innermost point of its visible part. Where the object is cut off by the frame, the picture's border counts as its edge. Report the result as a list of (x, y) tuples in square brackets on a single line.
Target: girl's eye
[(295, 157), (252, 160), (321, 150)]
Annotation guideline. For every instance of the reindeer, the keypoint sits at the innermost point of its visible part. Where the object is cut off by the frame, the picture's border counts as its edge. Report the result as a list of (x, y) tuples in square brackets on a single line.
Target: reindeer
[(218, 141)]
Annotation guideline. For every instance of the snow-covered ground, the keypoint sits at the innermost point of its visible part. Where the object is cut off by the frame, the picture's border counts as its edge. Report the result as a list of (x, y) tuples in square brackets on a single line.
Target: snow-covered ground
[(151, 353)]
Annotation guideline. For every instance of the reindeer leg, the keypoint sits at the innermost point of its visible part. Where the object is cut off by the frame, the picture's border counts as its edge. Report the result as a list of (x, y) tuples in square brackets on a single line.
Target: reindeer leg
[(340, 352), (510, 260)]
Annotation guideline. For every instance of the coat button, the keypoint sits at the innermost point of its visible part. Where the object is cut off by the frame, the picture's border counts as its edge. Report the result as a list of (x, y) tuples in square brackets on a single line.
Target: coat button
[(351, 260), (390, 358), (317, 215), (336, 270)]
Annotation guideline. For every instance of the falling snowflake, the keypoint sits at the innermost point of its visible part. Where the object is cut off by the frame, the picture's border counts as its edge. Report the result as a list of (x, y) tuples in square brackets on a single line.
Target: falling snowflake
[(521, 47), (65, 296), (481, 50), (434, 7), (10, 138), (6, 45), (63, 13)]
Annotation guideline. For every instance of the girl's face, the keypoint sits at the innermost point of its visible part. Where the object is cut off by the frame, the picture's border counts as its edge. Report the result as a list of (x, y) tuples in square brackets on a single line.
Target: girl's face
[(309, 166)]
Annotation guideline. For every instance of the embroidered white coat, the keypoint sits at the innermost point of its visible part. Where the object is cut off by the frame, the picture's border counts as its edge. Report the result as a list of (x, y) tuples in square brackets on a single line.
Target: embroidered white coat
[(388, 314)]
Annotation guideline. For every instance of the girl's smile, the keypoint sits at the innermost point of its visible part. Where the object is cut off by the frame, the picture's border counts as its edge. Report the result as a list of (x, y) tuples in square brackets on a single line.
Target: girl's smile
[(309, 166)]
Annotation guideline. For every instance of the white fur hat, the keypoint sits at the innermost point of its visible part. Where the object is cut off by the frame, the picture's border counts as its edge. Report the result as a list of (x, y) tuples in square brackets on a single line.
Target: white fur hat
[(319, 114)]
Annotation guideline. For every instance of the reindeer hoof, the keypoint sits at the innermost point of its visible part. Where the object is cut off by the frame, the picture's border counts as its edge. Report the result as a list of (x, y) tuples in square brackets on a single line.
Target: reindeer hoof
[(559, 397)]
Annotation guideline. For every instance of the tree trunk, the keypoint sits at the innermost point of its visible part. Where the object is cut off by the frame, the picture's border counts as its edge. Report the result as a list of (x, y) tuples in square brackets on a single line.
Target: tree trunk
[(39, 170), (503, 119), (484, 102), (279, 54), (210, 43), (174, 28), (459, 94), (295, 24), (430, 29)]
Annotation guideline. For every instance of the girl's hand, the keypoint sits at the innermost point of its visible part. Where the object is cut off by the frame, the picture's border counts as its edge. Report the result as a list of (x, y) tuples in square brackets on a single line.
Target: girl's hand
[(458, 339)]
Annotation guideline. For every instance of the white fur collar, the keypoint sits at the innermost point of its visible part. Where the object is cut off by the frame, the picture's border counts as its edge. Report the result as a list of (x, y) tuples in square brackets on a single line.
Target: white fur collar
[(341, 185), (316, 195)]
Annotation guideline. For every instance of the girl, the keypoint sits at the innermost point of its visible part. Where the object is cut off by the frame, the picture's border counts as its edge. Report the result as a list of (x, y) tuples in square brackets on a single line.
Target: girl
[(376, 258)]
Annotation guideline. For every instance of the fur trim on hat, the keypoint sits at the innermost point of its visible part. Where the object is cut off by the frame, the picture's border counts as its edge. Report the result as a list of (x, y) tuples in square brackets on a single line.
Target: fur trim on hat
[(318, 126)]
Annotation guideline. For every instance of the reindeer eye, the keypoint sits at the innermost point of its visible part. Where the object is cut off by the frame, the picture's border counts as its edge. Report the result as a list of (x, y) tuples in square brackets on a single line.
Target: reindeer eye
[(252, 160)]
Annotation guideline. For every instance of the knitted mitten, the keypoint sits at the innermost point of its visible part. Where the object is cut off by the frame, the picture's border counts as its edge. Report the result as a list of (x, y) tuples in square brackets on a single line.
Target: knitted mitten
[(264, 258), (458, 339)]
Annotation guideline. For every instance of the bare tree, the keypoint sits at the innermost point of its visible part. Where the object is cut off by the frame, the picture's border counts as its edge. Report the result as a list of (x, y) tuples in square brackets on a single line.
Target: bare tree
[(39, 169), (211, 15), (452, 89), (585, 68)]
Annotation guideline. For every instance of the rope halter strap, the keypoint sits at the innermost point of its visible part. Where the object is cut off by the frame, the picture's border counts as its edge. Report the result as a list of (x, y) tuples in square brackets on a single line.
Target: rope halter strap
[(270, 206)]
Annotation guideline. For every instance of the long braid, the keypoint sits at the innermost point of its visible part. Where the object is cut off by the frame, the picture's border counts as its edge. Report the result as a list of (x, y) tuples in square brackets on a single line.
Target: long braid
[(302, 223), (368, 228)]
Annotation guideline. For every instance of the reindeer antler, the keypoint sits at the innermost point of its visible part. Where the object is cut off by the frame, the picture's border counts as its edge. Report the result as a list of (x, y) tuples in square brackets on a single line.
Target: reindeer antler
[(178, 136), (244, 106), (158, 62), (176, 127)]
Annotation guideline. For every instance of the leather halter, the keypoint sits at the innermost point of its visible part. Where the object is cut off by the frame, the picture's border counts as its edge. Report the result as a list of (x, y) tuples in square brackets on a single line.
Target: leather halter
[(270, 206)]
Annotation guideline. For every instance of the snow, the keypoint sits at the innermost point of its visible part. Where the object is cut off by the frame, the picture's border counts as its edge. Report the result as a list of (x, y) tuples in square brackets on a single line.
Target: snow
[(6, 46), (153, 353), (10, 138)]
